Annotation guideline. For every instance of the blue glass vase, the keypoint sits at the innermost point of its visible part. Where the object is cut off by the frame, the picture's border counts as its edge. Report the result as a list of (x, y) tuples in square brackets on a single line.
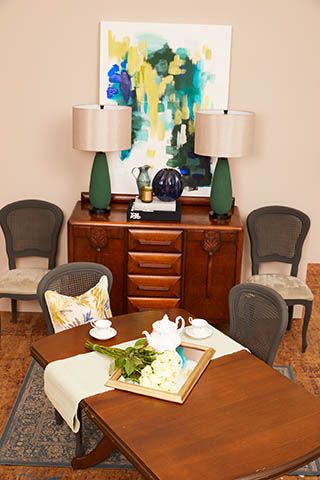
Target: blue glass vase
[(167, 184)]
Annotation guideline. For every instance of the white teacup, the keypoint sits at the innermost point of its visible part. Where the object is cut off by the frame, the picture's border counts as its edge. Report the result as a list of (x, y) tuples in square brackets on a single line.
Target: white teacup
[(102, 326), (199, 325)]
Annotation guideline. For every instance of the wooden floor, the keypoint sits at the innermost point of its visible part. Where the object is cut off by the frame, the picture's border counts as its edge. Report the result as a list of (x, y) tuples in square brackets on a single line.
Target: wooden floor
[(16, 339)]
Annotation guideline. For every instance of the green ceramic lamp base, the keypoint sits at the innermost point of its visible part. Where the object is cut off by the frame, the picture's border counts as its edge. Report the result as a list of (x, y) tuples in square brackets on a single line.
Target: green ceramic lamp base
[(219, 216), (99, 211), (221, 191), (100, 188)]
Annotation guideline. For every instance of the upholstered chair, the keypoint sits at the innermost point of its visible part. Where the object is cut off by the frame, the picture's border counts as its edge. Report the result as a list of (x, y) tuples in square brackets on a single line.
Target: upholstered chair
[(277, 234), (31, 229)]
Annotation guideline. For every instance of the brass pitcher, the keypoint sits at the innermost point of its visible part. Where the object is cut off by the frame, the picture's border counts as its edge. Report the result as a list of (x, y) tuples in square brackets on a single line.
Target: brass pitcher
[(142, 178)]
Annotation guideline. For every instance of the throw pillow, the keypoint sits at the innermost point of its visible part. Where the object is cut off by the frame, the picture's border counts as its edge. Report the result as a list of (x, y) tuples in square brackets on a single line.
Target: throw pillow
[(67, 312)]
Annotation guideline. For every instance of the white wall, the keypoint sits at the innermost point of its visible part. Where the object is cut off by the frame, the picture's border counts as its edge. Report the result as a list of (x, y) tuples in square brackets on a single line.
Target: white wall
[(49, 60)]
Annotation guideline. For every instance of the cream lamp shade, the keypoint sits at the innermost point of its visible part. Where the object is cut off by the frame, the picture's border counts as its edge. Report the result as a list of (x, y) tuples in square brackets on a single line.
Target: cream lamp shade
[(220, 134), (223, 134), (100, 129), (105, 128)]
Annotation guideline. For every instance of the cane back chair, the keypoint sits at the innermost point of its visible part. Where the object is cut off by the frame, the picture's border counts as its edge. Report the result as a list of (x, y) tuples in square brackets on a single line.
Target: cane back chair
[(277, 234)]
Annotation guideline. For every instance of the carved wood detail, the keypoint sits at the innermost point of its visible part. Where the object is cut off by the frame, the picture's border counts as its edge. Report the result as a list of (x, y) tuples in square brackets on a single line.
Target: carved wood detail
[(212, 242), (98, 238)]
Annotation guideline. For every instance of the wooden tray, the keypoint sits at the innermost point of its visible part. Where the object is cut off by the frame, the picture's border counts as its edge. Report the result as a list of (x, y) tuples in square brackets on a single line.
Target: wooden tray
[(195, 353)]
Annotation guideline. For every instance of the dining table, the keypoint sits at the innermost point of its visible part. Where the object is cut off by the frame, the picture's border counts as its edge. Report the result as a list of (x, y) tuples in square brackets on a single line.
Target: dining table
[(242, 420)]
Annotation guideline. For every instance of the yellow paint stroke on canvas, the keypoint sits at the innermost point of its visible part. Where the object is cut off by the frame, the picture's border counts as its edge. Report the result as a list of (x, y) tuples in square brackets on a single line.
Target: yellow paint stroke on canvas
[(163, 84), (151, 153), (117, 49), (149, 86), (207, 52), (136, 57), (138, 82), (152, 91), (190, 127), (161, 131), (196, 107), (177, 117), (175, 66), (205, 105), (185, 108)]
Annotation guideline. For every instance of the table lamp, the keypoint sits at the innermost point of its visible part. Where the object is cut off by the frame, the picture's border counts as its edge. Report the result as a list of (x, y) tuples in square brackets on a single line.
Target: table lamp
[(223, 134), (100, 129)]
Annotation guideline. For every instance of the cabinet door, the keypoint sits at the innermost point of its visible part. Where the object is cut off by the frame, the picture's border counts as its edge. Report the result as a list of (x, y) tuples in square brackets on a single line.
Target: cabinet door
[(105, 245), (209, 273)]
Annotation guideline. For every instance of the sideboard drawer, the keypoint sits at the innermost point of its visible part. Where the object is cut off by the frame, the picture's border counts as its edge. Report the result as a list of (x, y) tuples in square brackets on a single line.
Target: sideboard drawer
[(153, 286), (154, 263), (155, 240), (137, 304)]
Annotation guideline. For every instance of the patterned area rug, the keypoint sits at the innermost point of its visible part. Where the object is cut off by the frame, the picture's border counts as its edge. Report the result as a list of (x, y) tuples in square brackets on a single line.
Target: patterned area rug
[(32, 438)]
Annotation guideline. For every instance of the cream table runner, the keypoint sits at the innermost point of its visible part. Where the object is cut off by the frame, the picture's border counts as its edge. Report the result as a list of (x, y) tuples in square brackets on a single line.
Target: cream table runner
[(68, 381)]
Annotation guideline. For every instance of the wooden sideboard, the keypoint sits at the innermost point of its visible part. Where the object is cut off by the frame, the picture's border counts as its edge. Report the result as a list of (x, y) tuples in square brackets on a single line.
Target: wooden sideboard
[(190, 264)]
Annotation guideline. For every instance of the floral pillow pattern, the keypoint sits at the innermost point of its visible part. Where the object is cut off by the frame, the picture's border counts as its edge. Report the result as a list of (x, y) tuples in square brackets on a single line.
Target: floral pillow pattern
[(67, 312)]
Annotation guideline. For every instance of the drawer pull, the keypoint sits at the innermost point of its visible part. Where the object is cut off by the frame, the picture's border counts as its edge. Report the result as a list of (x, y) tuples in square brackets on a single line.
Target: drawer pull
[(164, 243), (154, 288), (155, 265)]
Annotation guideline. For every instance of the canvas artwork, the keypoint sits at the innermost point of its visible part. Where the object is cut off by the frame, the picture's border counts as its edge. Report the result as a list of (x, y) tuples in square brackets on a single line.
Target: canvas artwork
[(165, 72)]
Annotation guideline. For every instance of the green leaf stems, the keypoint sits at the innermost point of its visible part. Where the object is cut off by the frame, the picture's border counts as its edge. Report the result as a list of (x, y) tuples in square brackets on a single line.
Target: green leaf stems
[(130, 360)]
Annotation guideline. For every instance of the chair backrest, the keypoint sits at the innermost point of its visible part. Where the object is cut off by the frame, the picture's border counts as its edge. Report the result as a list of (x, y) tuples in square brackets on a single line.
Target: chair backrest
[(258, 319), (277, 234), (31, 228), (71, 279)]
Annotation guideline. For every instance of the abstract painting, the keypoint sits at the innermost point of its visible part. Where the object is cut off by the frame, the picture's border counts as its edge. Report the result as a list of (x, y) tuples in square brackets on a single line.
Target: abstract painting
[(165, 72)]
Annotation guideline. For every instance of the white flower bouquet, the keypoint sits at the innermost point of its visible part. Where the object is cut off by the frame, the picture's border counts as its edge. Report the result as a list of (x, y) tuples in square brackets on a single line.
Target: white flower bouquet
[(163, 373)]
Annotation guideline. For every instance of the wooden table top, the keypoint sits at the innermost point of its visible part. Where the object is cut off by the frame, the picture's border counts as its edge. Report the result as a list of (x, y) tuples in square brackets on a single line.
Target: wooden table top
[(242, 420)]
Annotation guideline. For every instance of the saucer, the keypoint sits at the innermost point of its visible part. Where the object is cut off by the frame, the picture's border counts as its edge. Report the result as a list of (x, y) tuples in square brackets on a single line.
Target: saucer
[(112, 333), (207, 332)]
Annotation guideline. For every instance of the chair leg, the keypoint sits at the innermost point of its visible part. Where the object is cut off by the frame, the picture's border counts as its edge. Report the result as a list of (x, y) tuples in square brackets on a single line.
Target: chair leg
[(14, 310), (290, 315), (80, 451), (59, 419), (307, 315)]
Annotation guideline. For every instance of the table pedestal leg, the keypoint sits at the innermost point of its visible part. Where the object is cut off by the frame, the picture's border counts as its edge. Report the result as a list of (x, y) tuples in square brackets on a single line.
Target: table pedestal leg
[(97, 455)]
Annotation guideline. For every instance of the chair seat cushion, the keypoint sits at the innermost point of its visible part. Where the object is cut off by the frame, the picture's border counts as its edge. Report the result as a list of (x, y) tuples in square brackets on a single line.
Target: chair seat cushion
[(67, 312), (290, 288), (21, 281)]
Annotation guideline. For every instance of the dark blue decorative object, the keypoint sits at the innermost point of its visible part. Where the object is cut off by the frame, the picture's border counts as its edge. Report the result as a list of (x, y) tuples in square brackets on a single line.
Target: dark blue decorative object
[(167, 184)]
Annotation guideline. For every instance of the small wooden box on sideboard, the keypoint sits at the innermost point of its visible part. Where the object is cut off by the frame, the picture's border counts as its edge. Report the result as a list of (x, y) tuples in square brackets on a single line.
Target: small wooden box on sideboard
[(190, 264)]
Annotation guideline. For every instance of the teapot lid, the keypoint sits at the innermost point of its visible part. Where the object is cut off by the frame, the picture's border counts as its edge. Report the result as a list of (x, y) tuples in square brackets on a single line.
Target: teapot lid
[(164, 324)]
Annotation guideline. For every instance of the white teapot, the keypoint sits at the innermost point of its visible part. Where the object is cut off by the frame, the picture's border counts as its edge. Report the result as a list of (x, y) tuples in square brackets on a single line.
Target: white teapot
[(166, 335)]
